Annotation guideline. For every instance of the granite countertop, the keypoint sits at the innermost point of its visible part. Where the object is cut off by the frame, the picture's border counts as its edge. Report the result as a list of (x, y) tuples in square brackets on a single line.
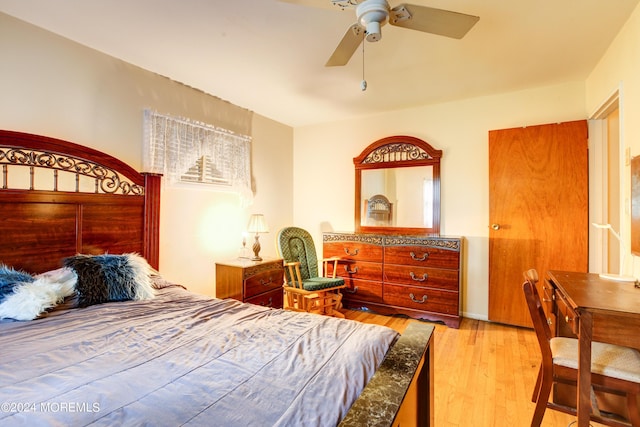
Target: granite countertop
[(380, 401)]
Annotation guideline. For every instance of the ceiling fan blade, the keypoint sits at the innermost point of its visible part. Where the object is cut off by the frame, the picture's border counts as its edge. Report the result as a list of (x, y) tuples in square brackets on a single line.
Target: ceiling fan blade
[(348, 45), (430, 20)]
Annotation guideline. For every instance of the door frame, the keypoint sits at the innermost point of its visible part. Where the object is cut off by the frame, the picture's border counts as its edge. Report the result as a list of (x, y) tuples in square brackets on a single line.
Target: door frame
[(598, 183)]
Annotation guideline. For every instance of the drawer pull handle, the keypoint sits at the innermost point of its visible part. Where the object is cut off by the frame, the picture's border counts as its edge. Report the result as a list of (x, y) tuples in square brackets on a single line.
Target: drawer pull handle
[(349, 291), (422, 258), (346, 251), (269, 303), (425, 276), (354, 271), (548, 291), (567, 319), (413, 298), (266, 282)]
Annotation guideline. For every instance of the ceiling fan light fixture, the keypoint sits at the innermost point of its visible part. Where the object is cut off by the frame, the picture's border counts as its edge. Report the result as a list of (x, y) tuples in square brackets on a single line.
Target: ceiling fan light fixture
[(373, 32)]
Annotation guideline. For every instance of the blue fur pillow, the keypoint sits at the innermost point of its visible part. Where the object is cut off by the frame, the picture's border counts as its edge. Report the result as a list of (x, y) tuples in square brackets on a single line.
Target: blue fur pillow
[(24, 297), (106, 278), (10, 278)]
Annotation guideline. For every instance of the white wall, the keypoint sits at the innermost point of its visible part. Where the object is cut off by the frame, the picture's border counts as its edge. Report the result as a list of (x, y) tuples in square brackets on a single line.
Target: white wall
[(324, 173), (619, 71), (55, 87)]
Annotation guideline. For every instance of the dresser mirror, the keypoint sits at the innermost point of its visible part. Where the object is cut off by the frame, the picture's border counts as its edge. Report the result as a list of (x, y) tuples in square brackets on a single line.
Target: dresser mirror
[(398, 187)]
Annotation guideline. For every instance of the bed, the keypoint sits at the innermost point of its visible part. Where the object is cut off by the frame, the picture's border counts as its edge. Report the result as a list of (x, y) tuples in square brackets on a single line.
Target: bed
[(146, 351)]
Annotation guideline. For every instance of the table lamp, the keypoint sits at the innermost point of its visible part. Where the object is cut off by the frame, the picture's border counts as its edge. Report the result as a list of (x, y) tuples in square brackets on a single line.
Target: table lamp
[(623, 252), (257, 224)]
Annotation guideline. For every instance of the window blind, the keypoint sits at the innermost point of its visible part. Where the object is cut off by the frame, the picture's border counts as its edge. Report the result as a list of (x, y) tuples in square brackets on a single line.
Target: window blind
[(184, 150)]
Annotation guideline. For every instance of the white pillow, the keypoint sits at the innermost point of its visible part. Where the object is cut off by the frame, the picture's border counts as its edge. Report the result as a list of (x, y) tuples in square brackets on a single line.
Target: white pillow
[(142, 271), (30, 299)]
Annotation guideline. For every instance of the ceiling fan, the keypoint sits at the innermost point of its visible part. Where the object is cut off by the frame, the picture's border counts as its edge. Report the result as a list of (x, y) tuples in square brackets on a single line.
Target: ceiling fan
[(373, 14)]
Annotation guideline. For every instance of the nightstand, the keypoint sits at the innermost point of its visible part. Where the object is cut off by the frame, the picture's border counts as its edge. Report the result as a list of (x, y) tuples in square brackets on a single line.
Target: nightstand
[(255, 282)]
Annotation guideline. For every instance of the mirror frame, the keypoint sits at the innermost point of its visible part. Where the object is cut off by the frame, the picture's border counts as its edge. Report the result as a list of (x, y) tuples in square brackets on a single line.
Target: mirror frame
[(398, 151)]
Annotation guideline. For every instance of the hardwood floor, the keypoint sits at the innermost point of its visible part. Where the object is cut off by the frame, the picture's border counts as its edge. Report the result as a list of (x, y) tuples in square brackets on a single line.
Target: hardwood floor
[(484, 373)]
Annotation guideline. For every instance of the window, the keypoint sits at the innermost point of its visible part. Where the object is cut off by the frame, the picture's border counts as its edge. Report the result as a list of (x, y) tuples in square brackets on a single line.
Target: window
[(187, 151)]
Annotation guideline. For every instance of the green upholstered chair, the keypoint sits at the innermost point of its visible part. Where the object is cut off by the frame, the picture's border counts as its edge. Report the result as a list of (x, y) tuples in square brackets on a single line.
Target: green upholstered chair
[(305, 289)]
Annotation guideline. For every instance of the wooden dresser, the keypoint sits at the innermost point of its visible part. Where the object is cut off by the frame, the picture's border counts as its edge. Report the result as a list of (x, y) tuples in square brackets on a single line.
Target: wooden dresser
[(255, 282), (417, 276)]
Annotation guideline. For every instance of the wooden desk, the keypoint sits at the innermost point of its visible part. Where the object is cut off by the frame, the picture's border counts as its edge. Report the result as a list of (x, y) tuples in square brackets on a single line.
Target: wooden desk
[(596, 310)]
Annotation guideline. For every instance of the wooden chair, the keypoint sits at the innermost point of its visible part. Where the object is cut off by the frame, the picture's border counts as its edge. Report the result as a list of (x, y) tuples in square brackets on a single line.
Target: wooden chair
[(304, 289), (614, 369)]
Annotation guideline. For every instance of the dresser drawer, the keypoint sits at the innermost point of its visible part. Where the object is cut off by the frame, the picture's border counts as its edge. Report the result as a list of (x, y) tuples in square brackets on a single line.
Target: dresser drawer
[(424, 256), (421, 276), (263, 281), (272, 299), (384, 270), (422, 299), (566, 313), (549, 303), (361, 270), (357, 251), (362, 290)]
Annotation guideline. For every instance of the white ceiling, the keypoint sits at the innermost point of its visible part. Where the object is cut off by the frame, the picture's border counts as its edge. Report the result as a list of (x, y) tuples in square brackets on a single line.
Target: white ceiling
[(268, 56)]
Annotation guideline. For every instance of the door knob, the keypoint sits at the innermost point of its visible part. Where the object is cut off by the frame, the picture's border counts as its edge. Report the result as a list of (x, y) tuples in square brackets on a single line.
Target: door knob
[(495, 226)]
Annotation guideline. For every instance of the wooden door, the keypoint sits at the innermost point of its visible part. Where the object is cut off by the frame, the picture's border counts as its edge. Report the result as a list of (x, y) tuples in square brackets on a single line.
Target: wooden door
[(538, 210)]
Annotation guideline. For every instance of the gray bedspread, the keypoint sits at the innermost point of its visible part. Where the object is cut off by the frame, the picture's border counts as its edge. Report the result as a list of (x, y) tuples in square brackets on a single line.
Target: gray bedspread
[(185, 359)]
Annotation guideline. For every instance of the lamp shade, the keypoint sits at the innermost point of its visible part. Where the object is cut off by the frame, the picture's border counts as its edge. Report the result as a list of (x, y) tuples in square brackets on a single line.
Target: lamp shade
[(257, 224)]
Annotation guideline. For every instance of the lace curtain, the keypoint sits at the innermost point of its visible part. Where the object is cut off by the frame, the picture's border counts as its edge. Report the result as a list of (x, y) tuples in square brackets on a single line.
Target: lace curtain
[(181, 148)]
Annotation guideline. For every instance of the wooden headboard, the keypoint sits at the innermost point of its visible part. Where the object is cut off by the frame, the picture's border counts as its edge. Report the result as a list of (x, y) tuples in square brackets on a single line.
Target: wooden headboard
[(58, 199)]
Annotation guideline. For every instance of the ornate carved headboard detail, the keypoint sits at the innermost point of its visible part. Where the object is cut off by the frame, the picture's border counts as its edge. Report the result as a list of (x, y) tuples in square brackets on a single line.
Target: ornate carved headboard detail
[(58, 198)]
